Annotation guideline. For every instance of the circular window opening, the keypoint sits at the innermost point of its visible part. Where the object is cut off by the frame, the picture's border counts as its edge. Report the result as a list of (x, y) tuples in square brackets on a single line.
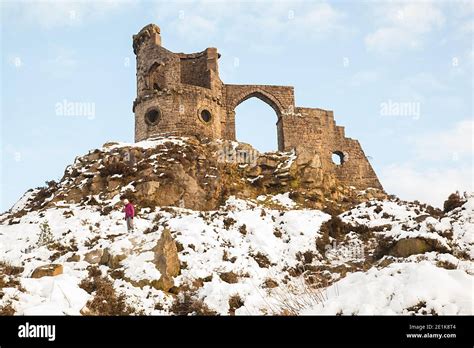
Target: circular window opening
[(337, 158), (152, 117), (206, 116)]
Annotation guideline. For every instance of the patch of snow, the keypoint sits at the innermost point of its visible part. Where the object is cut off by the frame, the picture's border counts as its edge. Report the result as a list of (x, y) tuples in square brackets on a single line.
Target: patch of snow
[(284, 200), (141, 266), (20, 204), (57, 295), (397, 287), (150, 144)]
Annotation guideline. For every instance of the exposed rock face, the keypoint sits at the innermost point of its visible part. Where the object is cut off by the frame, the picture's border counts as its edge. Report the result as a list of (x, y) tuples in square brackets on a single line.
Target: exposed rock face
[(47, 271), (195, 174), (166, 261)]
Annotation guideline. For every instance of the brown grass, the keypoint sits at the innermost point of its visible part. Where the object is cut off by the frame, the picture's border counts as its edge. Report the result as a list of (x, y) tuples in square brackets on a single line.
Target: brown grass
[(235, 302), (94, 271), (188, 304), (9, 276), (7, 309), (307, 257), (9, 270), (229, 277), (106, 300), (270, 283), (228, 222), (446, 264), (62, 249), (91, 242), (262, 260), (336, 228), (292, 300)]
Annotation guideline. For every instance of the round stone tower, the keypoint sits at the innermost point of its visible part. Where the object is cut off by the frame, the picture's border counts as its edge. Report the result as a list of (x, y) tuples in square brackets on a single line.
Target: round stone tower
[(177, 94)]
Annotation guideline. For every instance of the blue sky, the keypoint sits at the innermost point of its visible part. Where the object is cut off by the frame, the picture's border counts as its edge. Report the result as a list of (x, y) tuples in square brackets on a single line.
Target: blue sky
[(366, 61)]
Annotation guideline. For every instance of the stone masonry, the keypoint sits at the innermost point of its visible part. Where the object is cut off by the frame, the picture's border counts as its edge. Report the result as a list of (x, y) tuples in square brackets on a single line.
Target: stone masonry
[(182, 94)]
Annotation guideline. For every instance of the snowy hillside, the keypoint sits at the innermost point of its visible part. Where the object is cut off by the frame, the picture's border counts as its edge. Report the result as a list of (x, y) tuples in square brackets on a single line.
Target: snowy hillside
[(254, 256)]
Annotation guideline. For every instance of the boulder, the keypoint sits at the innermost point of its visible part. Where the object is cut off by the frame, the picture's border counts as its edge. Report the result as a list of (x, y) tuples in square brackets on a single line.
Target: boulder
[(112, 260), (165, 283), (74, 258), (166, 261), (105, 258), (94, 256), (410, 246), (51, 270)]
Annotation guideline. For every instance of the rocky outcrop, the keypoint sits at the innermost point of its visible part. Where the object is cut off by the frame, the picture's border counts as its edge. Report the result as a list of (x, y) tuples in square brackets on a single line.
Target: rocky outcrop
[(195, 174)]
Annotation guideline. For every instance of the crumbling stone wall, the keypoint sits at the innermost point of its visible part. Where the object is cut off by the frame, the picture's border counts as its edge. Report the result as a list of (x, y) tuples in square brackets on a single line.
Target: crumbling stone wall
[(182, 94)]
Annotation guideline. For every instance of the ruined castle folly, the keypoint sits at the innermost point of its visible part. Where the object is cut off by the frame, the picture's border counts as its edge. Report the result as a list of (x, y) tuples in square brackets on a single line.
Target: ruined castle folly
[(182, 94)]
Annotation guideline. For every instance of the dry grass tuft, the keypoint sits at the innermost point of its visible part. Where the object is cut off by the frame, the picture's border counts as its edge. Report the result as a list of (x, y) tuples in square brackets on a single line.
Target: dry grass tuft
[(187, 303), (291, 300), (7, 309), (105, 301), (235, 302)]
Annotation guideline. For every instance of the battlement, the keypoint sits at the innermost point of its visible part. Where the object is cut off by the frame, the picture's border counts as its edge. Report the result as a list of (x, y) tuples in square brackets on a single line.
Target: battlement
[(182, 94)]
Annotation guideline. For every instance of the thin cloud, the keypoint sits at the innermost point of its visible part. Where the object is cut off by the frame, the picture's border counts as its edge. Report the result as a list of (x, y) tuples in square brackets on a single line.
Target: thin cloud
[(429, 185), (455, 143), (52, 14), (403, 25), (192, 20)]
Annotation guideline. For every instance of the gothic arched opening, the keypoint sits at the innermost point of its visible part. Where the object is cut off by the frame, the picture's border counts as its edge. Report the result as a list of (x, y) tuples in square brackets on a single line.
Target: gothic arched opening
[(255, 124)]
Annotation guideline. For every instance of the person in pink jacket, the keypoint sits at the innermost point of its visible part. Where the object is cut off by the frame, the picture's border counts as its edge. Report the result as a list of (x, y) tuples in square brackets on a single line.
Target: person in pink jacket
[(129, 214)]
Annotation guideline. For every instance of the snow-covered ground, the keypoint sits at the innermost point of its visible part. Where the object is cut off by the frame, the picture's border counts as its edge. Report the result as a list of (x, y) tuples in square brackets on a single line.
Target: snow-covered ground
[(396, 288), (247, 249)]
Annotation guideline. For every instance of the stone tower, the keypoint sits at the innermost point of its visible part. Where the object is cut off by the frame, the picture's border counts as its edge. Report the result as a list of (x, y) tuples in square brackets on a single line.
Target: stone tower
[(181, 94), (177, 93)]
